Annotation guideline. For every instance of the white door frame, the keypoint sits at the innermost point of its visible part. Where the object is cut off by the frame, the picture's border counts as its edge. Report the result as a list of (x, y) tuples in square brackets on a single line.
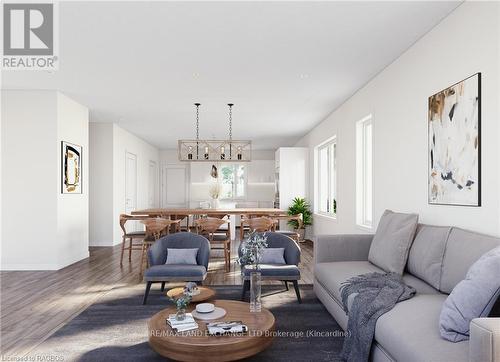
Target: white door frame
[(156, 182), (163, 188), (127, 153)]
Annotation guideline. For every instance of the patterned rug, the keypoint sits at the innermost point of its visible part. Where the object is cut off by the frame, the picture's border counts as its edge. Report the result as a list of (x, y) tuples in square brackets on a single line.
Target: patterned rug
[(115, 328)]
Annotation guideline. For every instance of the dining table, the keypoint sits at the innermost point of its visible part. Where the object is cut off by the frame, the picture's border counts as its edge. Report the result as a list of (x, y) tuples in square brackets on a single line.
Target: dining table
[(167, 212)]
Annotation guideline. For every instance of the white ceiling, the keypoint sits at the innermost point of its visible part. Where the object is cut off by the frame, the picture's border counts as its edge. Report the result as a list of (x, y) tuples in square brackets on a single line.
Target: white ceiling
[(285, 65)]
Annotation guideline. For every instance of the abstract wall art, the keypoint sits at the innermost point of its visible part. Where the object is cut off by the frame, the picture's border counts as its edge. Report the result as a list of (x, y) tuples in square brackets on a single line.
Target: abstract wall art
[(454, 131), (71, 161)]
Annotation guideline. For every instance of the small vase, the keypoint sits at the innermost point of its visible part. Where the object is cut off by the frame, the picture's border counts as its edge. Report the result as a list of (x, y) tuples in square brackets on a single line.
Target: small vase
[(255, 291), (181, 314), (215, 203)]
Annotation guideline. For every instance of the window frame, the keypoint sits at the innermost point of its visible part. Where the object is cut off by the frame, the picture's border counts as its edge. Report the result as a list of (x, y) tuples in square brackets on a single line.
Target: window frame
[(331, 145), (234, 167), (364, 173)]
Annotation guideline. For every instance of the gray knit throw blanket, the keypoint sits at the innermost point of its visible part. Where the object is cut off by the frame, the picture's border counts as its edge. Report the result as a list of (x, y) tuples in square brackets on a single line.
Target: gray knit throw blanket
[(377, 294)]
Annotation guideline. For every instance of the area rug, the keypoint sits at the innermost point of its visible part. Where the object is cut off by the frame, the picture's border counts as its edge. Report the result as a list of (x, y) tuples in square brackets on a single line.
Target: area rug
[(115, 328)]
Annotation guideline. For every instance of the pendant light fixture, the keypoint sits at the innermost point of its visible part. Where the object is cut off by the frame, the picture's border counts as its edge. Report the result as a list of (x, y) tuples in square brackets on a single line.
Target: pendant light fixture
[(228, 150)]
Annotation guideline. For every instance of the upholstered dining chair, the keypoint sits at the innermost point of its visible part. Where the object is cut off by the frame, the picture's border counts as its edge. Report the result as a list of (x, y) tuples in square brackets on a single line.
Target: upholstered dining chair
[(160, 272), (286, 272), (131, 236), (211, 228)]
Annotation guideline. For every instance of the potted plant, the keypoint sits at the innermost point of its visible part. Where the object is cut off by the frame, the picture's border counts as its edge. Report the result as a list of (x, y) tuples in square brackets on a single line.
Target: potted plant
[(181, 304), (300, 206)]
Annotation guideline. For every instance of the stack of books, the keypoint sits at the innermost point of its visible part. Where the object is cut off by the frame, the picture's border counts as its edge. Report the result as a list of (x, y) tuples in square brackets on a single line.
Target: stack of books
[(223, 328), (187, 324)]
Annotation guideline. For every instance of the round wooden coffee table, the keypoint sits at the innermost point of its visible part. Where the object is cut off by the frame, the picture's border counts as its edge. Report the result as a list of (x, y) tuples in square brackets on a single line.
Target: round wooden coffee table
[(197, 345), (205, 294)]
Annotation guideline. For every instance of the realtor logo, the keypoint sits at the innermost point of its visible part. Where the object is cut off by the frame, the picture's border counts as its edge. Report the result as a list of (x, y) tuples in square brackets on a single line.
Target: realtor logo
[(29, 36)]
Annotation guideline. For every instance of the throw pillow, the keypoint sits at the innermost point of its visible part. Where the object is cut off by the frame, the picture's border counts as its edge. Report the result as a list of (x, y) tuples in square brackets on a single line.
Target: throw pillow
[(273, 256), (471, 298), (391, 243), (181, 256)]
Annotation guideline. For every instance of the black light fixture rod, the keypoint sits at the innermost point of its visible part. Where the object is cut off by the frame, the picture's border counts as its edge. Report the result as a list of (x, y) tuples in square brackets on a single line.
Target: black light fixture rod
[(197, 128), (230, 129)]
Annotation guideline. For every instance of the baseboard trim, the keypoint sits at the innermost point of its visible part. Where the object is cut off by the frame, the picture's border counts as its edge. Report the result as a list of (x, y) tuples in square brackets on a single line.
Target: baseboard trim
[(29, 267), (43, 267), (84, 254)]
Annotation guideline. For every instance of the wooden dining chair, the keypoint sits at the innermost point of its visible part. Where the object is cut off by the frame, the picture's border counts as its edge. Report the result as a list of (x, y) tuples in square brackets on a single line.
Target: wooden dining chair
[(261, 224), (131, 236), (225, 226), (244, 227), (210, 228), (155, 229), (181, 218), (290, 233)]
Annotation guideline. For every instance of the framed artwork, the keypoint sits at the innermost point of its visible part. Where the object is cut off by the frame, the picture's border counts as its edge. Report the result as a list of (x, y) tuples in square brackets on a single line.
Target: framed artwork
[(71, 161), (454, 151)]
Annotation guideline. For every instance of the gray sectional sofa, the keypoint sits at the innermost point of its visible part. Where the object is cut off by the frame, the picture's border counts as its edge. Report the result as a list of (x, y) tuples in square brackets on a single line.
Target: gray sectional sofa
[(439, 258)]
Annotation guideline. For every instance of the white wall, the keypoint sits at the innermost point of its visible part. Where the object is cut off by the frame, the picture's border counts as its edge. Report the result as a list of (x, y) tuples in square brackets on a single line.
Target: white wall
[(101, 184), (124, 142), (41, 231), (260, 177), (464, 43), (73, 209), (109, 144)]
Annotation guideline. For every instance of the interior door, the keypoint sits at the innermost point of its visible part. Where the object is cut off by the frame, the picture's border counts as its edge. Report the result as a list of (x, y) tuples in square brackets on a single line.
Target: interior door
[(175, 186), (153, 181), (130, 185)]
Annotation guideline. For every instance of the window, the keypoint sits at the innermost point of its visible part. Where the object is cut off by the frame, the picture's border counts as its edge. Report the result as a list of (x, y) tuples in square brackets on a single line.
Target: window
[(233, 181), (326, 176), (364, 172)]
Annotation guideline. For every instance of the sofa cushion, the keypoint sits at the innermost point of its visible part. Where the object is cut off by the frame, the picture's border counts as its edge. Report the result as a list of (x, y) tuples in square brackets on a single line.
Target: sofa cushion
[(472, 298), (392, 241), (420, 286), (332, 275), (410, 332), (427, 252), (463, 248)]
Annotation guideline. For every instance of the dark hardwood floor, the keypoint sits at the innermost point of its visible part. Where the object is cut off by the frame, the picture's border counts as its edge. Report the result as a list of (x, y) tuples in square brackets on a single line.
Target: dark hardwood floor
[(35, 304)]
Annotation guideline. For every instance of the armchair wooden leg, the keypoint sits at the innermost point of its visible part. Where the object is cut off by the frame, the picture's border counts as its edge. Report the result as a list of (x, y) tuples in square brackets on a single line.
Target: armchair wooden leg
[(123, 250), (286, 285), (162, 286), (246, 286), (297, 291), (130, 250), (146, 293)]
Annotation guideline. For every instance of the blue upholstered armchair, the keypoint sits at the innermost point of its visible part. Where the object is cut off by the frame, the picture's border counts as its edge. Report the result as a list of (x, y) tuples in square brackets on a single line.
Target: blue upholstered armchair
[(283, 272), (158, 271)]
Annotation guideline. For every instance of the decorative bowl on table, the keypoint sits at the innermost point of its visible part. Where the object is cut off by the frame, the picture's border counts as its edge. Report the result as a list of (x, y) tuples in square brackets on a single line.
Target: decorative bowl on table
[(191, 289)]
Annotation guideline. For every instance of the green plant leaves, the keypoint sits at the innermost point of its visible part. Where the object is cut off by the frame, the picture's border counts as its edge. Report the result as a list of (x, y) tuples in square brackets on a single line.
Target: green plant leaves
[(300, 206)]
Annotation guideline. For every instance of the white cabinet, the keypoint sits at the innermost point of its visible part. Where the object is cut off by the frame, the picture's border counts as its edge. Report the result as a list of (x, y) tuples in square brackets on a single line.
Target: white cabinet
[(292, 174), (261, 171)]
